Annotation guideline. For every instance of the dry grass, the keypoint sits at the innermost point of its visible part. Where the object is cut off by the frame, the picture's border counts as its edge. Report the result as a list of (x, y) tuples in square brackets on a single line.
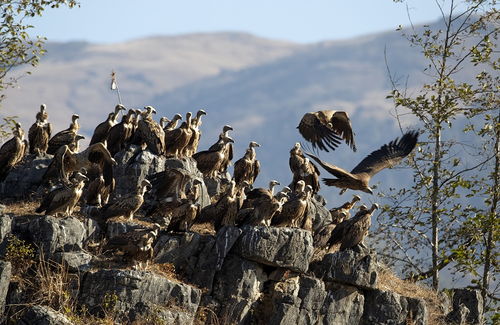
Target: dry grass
[(21, 207), (388, 281), (203, 228)]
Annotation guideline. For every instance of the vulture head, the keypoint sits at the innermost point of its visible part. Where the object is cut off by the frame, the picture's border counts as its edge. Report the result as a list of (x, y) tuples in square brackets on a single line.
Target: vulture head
[(272, 184), (43, 107), (286, 189), (374, 207), (111, 116), (146, 184), (300, 186), (75, 117), (18, 131), (163, 121), (363, 208), (119, 108), (177, 117), (356, 198), (368, 190), (227, 128), (188, 118), (200, 113), (150, 110), (253, 144)]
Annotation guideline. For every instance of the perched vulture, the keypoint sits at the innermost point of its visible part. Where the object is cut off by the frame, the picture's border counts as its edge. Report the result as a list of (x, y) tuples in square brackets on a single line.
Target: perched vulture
[(184, 216), (351, 232), (192, 146), (387, 156), (119, 135), (247, 168), (12, 152), (292, 212), (66, 161), (223, 212), (101, 131), (172, 124), (177, 139), (326, 129), (39, 133), (227, 151), (136, 245), (150, 132), (209, 162), (126, 205), (343, 212), (98, 192), (264, 210), (64, 199), (68, 137), (169, 183), (258, 193)]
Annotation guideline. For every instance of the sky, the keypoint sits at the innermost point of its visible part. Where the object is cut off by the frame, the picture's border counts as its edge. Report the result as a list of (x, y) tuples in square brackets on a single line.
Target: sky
[(111, 21)]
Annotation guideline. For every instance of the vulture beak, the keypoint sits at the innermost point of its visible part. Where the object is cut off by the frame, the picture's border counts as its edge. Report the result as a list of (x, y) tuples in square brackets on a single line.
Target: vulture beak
[(368, 190), (227, 128), (201, 112), (230, 139), (178, 116), (75, 117), (79, 137)]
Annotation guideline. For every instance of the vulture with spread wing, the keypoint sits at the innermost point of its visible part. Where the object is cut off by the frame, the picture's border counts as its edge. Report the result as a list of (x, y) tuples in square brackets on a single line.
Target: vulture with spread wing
[(326, 129), (39, 133), (358, 179)]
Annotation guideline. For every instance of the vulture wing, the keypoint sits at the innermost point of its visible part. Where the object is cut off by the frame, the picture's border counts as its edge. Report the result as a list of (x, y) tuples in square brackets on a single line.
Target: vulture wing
[(332, 169), (326, 129), (388, 155)]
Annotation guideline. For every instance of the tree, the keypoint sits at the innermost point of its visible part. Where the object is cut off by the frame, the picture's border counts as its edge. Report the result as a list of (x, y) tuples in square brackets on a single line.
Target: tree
[(428, 218), (17, 46)]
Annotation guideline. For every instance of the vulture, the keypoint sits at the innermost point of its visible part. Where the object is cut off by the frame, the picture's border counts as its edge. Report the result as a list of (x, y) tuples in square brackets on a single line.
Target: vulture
[(303, 169), (63, 199), (227, 150), (39, 133), (67, 137), (169, 183), (247, 168), (66, 161), (224, 211), (209, 162), (136, 245), (119, 135), (343, 212), (264, 210), (293, 210), (358, 179), (126, 205), (98, 192), (101, 131), (176, 140), (191, 148), (184, 216), (172, 124), (150, 132), (326, 129), (258, 193), (351, 232), (12, 152)]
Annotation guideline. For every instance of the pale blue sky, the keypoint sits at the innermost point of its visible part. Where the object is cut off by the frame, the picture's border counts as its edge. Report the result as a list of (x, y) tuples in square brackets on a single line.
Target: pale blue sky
[(295, 20)]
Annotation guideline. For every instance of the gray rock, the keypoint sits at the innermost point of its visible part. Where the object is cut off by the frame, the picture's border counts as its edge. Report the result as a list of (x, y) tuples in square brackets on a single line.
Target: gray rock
[(318, 213), (349, 267), (189, 168), (224, 241), (473, 303), (43, 315), (282, 247), (25, 178), (237, 287), (5, 275), (307, 300), (133, 166), (75, 261), (53, 234), (5, 230), (384, 307), (193, 255), (136, 294), (114, 228)]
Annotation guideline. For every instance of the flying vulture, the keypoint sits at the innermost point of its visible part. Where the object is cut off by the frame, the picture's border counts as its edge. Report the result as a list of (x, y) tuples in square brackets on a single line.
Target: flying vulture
[(67, 137), (247, 168), (351, 232), (326, 129), (101, 131), (39, 133), (387, 156), (126, 205), (12, 152), (64, 199)]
